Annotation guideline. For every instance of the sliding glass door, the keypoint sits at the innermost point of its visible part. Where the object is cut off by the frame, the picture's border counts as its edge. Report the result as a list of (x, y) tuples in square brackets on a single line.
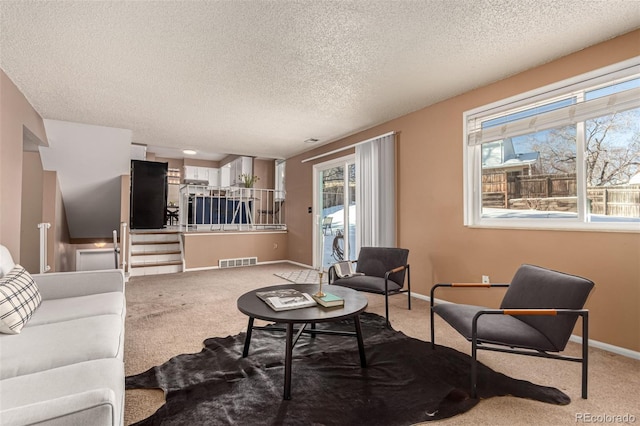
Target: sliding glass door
[(335, 209)]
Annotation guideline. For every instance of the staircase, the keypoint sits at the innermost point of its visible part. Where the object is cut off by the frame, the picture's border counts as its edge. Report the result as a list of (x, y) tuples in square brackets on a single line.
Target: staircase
[(154, 252)]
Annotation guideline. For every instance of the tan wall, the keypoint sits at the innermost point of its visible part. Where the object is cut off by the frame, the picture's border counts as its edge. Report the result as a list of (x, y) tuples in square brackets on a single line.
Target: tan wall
[(204, 250), (196, 162), (15, 112), (173, 163), (31, 214), (125, 198), (59, 251), (265, 170), (430, 217)]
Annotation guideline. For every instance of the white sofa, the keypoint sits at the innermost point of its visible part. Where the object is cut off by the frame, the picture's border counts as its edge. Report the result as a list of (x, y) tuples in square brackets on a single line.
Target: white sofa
[(66, 365)]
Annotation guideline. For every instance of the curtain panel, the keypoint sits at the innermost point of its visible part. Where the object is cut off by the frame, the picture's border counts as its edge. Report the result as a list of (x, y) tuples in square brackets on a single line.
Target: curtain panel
[(376, 192)]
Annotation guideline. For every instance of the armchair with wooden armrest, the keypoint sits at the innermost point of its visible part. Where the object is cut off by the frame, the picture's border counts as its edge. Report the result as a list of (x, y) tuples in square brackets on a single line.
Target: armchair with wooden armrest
[(537, 316)]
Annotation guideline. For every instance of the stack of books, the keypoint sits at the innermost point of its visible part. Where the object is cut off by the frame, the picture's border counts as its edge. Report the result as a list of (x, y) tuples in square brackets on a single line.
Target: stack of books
[(329, 300)]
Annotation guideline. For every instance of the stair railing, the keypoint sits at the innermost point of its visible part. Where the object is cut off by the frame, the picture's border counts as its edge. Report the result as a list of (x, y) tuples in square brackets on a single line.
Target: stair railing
[(43, 247), (123, 246)]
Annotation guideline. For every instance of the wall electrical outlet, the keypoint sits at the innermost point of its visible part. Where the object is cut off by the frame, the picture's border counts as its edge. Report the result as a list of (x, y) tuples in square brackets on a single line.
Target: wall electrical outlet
[(485, 279)]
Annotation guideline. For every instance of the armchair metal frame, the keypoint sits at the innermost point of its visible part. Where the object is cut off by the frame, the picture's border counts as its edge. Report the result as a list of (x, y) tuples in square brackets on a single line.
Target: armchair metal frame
[(477, 343)]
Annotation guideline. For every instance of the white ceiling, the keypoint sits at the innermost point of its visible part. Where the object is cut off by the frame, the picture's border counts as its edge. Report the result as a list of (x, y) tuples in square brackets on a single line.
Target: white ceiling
[(260, 77)]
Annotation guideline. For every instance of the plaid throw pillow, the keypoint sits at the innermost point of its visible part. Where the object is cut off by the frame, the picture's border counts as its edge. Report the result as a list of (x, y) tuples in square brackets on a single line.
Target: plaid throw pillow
[(19, 298)]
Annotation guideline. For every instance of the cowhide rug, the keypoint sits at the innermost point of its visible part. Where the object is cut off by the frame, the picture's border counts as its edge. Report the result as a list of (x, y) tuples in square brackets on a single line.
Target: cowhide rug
[(405, 381)]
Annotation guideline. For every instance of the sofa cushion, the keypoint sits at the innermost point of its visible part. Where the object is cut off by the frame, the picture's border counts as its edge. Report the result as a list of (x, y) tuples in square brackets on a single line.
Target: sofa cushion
[(6, 261), (58, 344), (90, 392), (19, 298), (58, 310)]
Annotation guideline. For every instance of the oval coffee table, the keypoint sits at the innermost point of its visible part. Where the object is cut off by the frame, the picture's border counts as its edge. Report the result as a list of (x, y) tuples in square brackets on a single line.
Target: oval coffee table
[(354, 304)]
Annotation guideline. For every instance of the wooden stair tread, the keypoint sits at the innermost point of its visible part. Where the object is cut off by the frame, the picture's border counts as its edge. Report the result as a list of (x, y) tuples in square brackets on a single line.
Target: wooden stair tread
[(155, 264), (159, 232), (155, 253), (142, 243)]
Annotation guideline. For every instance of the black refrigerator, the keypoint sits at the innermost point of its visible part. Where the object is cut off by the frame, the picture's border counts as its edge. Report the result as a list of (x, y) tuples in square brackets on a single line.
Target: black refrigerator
[(148, 194)]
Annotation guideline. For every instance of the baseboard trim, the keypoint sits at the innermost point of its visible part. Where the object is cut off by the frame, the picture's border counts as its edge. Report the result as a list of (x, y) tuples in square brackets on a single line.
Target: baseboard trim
[(299, 264), (574, 338), (607, 347), (268, 262)]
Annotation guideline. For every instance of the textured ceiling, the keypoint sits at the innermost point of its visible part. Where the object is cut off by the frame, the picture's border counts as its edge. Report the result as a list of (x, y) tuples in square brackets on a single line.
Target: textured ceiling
[(260, 77)]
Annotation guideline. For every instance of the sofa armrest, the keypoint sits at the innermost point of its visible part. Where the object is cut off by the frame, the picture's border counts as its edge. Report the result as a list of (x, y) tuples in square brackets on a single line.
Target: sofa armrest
[(94, 407), (58, 285)]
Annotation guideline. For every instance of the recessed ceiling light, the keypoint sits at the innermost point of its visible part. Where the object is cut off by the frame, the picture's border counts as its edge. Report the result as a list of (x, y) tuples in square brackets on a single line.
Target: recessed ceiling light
[(311, 140), (189, 152)]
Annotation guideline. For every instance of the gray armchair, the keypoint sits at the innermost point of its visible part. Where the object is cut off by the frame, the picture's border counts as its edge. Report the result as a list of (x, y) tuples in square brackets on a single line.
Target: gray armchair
[(383, 272), (536, 317)]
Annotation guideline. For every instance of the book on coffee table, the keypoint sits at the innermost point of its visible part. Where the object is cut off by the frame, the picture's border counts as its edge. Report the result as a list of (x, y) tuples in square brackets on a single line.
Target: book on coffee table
[(286, 299), (329, 300)]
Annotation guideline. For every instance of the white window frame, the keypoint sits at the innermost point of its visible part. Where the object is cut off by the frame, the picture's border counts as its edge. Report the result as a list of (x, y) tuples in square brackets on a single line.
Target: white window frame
[(472, 168)]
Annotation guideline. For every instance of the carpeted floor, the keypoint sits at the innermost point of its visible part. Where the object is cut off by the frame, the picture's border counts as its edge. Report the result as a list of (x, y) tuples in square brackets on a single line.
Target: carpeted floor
[(169, 315), (405, 381), (303, 276)]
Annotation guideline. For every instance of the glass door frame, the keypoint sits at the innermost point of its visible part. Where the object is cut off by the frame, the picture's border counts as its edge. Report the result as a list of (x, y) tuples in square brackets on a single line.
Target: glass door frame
[(317, 241)]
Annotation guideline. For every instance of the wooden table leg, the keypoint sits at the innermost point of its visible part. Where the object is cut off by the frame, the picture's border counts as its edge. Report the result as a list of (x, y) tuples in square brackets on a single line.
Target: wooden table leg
[(247, 339), (287, 361), (363, 358)]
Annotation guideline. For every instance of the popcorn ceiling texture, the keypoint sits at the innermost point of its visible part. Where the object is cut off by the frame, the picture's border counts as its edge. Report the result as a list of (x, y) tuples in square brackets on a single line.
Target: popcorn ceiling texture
[(259, 77)]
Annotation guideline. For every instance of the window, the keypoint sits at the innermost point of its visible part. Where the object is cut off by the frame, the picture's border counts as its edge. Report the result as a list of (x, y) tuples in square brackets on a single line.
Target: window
[(562, 157)]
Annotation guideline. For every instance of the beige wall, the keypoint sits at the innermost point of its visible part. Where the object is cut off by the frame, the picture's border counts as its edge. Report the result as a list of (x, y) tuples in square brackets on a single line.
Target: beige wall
[(31, 214), (15, 112), (59, 251), (265, 170), (125, 198), (430, 216), (204, 250), (195, 162)]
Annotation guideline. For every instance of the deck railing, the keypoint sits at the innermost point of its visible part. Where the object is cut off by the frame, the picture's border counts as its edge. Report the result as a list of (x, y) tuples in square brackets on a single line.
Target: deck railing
[(213, 208)]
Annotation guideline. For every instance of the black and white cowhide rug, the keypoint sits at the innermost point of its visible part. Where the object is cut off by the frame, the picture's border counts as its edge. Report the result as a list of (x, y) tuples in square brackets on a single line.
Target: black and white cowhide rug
[(405, 381)]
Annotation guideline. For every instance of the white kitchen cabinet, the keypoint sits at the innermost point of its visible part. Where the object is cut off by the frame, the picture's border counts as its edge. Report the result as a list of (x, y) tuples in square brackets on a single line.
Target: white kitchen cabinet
[(210, 174), (214, 177), (225, 175), (239, 166)]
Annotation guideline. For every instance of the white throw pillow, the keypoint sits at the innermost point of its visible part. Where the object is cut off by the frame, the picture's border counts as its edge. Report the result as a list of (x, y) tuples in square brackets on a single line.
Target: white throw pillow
[(19, 299), (6, 261)]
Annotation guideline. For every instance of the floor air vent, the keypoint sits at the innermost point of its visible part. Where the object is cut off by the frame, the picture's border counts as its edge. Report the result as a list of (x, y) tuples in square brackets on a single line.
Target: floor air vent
[(243, 261)]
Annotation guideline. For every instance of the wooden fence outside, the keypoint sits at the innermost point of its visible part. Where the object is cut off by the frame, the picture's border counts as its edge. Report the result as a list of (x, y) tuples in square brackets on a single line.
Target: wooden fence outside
[(333, 194), (556, 192), (615, 201)]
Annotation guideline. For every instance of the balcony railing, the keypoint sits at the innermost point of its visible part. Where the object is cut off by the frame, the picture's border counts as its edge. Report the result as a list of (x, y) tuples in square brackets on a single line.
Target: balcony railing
[(210, 208)]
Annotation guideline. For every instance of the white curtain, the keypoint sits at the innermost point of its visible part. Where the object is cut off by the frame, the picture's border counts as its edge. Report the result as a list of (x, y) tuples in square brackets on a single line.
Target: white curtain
[(376, 192)]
